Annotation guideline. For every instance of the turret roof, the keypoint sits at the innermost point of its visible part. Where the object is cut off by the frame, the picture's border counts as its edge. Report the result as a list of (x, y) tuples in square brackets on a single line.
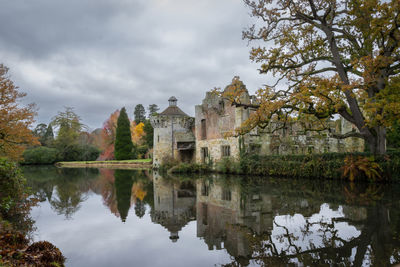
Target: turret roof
[(173, 111)]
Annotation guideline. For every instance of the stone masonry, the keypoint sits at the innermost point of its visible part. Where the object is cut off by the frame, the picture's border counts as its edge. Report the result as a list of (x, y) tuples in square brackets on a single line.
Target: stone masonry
[(208, 136)]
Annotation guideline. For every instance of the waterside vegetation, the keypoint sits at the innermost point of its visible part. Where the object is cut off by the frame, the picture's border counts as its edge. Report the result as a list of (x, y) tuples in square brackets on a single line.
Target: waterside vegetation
[(332, 166), (16, 249)]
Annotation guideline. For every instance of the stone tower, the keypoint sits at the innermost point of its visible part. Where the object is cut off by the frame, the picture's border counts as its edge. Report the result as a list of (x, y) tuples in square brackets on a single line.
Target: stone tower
[(173, 134)]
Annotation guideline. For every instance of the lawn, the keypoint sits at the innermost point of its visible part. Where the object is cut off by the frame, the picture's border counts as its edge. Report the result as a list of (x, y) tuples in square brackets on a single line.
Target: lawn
[(111, 161)]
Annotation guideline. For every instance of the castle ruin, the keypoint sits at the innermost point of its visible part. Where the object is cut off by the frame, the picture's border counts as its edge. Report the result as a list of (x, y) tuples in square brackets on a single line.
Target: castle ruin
[(207, 137)]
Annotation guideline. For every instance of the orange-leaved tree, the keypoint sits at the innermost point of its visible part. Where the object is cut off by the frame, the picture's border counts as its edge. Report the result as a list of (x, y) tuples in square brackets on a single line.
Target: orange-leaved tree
[(15, 120), (329, 57), (108, 135)]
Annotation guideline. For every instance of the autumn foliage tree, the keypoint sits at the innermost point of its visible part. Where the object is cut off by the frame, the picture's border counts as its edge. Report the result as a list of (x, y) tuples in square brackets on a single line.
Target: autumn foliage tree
[(15, 120), (329, 57), (137, 131), (108, 135)]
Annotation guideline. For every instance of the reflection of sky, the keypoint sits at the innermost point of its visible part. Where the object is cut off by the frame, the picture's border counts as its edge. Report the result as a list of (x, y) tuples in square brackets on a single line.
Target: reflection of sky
[(96, 237), (314, 237)]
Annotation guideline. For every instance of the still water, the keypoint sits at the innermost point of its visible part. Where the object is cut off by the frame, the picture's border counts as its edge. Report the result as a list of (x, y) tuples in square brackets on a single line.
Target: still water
[(104, 217)]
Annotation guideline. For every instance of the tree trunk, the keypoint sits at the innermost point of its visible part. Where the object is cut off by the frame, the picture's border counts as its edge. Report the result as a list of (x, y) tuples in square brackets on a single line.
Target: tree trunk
[(377, 143)]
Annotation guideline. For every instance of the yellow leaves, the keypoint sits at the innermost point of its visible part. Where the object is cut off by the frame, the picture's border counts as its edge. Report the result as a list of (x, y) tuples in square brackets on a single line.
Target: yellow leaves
[(137, 132), (138, 192), (356, 167)]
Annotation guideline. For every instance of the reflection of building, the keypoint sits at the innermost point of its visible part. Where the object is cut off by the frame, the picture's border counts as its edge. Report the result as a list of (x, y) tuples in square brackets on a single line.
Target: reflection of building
[(220, 209), (174, 204)]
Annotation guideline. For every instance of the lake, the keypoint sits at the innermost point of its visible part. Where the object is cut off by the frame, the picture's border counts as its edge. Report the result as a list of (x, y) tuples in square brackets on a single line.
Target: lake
[(105, 217)]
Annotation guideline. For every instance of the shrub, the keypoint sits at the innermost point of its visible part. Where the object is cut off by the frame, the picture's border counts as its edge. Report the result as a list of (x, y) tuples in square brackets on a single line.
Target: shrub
[(40, 155), (361, 166), (89, 153), (141, 151), (167, 163), (78, 153), (326, 166), (190, 168), (12, 186), (228, 165)]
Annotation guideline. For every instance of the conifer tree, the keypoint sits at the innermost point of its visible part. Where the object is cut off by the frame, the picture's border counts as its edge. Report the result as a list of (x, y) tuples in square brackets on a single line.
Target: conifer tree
[(123, 139), (148, 137), (153, 108), (140, 113)]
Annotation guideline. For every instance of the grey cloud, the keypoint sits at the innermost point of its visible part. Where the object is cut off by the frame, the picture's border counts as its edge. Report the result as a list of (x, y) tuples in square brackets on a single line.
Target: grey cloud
[(98, 56)]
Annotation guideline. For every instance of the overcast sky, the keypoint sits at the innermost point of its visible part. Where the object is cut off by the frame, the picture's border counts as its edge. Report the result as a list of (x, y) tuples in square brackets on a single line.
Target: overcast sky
[(98, 56)]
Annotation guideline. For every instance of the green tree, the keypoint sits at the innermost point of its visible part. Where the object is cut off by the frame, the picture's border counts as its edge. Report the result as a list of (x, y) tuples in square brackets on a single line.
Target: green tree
[(69, 127), (48, 138), (149, 133), (393, 136), (334, 57), (40, 132), (140, 114), (123, 139), (153, 108)]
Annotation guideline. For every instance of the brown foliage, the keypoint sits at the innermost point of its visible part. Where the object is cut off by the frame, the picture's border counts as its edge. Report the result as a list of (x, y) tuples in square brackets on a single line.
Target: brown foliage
[(356, 167), (329, 57), (15, 120), (108, 136)]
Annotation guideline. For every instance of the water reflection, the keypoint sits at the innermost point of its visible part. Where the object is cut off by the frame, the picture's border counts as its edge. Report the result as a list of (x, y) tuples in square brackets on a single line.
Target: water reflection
[(174, 204), (277, 222)]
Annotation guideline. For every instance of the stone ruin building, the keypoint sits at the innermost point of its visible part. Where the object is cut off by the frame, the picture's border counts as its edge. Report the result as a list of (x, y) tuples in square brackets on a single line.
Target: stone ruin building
[(173, 134), (206, 137)]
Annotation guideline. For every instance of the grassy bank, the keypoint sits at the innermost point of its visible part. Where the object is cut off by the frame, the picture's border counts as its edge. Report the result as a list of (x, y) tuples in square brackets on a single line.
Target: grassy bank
[(351, 166), (126, 164)]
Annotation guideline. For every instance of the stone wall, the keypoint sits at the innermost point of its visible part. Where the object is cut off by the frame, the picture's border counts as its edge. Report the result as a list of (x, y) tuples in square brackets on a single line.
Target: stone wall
[(168, 130), (216, 118)]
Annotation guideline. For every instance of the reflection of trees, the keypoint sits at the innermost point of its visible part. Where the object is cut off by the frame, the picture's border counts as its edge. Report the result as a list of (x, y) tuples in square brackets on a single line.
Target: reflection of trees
[(41, 180), (105, 187), (70, 186), (376, 241), (123, 189), (142, 192), (66, 189), (140, 208)]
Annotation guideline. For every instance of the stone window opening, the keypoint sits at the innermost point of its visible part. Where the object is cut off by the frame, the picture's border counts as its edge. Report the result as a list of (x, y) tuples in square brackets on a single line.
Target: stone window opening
[(255, 149), (204, 154), (205, 213), (221, 106), (203, 129), (226, 151), (226, 195), (158, 139)]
